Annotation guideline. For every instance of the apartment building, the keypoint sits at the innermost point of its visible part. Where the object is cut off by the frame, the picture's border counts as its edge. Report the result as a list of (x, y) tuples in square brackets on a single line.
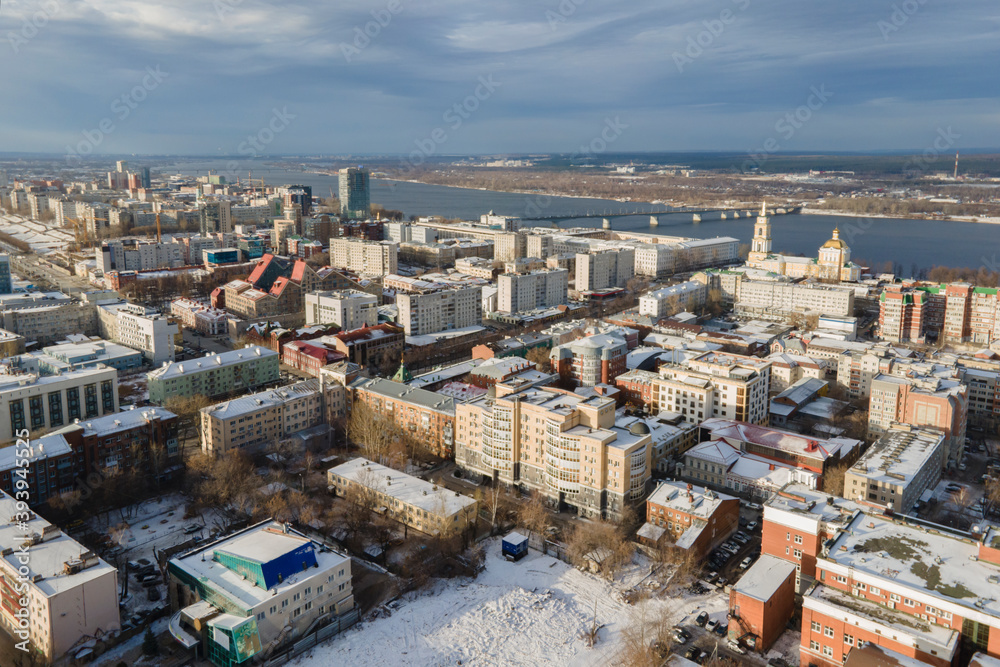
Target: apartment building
[(215, 216), (956, 313), (787, 369), (715, 385), (592, 360), (409, 500), (897, 469), (214, 374), (140, 328), (565, 446), (425, 415), (672, 300), (367, 258), (199, 317), (244, 595), (798, 521), (761, 603), (925, 594), (901, 314), (521, 292), (439, 309), (138, 255), (348, 309), (255, 421), (690, 518), (477, 267), (5, 281), (604, 268), (32, 402), (10, 344), (921, 401), (371, 345), (62, 593), (780, 300), (50, 323)]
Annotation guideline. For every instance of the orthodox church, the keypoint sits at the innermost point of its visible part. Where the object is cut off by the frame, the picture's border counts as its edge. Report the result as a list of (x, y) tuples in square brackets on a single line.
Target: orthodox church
[(834, 261)]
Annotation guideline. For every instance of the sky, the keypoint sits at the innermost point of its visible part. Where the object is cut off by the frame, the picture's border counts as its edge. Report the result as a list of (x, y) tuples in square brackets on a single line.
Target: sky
[(432, 77)]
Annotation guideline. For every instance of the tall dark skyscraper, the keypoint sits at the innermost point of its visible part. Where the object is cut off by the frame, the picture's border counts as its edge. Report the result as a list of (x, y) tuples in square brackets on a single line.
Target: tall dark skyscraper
[(355, 195)]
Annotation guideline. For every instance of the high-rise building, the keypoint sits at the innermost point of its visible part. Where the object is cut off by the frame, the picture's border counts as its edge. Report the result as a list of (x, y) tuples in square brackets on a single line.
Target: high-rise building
[(604, 269), (348, 309), (355, 192), (5, 281), (300, 195), (121, 166), (521, 292), (144, 178), (368, 258), (215, 216)]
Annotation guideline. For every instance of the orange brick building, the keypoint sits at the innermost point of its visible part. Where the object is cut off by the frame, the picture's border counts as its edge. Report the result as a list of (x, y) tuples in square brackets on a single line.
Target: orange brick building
[(691, 518), (761, 603)]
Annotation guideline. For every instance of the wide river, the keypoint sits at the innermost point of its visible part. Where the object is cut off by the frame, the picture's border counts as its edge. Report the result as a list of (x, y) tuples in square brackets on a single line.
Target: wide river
[(911, 244)]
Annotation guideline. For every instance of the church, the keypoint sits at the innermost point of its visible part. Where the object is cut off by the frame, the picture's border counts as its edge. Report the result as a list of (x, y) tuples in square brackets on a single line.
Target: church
[(834, 261)]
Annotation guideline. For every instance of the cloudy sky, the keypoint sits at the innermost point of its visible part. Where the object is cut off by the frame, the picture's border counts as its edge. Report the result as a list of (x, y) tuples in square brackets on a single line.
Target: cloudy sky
[(201, 76)]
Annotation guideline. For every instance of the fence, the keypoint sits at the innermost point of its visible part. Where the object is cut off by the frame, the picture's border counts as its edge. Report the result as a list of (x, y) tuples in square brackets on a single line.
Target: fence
[(318, 636)]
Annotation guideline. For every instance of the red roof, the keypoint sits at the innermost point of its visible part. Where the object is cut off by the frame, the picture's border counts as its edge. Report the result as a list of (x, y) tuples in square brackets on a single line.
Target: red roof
[(258, 270), (299, 271), (278, 286)]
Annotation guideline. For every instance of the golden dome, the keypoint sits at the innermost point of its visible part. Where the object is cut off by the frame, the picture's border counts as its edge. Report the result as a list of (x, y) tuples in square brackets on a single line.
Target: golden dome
[(835, 242)]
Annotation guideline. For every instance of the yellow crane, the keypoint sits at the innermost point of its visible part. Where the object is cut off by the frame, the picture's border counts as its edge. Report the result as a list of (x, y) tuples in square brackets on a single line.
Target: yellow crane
[(79, 229)]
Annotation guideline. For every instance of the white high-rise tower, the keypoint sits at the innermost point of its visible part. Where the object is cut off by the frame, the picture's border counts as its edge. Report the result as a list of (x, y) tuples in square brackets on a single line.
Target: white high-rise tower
[(761, 247)]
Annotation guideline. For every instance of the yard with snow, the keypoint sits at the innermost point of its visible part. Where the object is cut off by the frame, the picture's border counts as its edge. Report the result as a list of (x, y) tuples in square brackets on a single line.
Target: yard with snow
[(525, 613)]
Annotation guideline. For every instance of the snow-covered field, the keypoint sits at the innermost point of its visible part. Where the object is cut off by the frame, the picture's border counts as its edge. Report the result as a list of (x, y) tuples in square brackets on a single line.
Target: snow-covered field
[(525, 613)]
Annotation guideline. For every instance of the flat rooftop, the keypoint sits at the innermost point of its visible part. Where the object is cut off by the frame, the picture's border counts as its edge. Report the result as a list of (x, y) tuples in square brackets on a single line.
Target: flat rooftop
[(899, 455), (407, 489), (764, 577), (48, 558)]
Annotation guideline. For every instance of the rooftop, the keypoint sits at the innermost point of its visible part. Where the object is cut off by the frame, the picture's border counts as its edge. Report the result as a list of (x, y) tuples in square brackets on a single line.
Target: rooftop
[(764, 578), (408, 489), (211, 362), (265, 399), (403, 392), (55, 559), (900, 454), (698, 502)]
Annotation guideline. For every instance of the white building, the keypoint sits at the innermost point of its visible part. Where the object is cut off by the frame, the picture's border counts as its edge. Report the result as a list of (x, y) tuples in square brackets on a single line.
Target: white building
[(348, 309), (715, 384), (198, 317), (777, 300), (33, 402), (136, 255), (245, 594), (604, 269), (521, 292), (140, 328), (368, 258), (63, 591), (672, 300), (439, 310)]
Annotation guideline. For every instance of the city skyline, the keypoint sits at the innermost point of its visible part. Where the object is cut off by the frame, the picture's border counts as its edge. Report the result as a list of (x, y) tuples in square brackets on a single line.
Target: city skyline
[(470, 78)]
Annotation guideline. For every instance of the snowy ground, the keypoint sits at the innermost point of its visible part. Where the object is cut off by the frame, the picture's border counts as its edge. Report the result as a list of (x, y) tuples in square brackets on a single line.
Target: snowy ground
[(525, 613)]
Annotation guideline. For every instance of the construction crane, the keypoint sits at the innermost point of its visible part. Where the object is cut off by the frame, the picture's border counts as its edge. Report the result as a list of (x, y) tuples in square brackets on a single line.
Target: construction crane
[(79, 228)]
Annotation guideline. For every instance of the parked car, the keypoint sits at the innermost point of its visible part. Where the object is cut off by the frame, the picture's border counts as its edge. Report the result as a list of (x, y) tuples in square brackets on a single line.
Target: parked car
[(742, 539), (721, 629), (702, 619), (735, 646), (681, 636), (193, 528), (691, 653), (153, 594), (712, 625), (752, 526), (754, 506), (745, 563)]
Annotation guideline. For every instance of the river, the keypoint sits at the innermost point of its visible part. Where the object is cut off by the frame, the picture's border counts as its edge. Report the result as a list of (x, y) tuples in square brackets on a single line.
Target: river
[(911, 244)]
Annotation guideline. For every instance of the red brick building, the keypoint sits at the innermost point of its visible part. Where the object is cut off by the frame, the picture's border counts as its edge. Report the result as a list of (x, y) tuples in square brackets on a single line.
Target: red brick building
[(690, 518), (422, 414), (308, 357), (637, 387), (761, 603), (590, 361)]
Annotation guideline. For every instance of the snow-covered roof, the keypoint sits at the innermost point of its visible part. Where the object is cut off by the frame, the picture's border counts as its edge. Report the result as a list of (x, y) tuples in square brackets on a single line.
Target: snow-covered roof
[(764, 578), (407, 489)]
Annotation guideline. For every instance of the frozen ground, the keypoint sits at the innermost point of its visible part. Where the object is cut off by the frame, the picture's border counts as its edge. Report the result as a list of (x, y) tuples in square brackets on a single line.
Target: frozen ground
[(525, 613)]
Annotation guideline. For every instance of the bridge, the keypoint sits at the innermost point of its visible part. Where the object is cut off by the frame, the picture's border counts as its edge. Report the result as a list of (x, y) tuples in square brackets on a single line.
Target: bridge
[(653, 212)]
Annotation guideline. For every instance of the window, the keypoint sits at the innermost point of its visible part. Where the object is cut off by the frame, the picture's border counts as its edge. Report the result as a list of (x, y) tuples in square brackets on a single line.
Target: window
[(849, 639), (815, 626), (827, 650), (814, 645), (797, 553), (828, 631), (798, 539), (894, 597)]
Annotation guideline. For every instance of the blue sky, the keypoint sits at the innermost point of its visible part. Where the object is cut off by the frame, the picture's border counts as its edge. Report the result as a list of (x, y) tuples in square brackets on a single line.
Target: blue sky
[(673, 75)]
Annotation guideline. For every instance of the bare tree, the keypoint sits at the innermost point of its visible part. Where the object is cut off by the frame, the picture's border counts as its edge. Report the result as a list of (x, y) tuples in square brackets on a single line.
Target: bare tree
[(498, 504), (371, 431), (540, 357), (602, 544), (533, 517), (833, 479)]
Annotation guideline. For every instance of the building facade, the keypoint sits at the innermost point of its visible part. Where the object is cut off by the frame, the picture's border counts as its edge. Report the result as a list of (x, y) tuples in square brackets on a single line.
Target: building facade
[(521, 292), (214, 375), (348, 309)]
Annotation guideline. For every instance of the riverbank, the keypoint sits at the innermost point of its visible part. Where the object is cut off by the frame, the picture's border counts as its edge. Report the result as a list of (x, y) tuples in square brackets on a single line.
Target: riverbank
[(914, 216)]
